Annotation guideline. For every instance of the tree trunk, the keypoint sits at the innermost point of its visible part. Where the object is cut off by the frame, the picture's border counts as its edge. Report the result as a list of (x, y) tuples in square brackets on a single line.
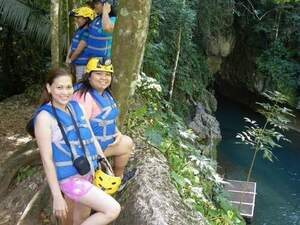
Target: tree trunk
[(178, 43), (54, 14), (178, 49), (70, 24), (128, 49)]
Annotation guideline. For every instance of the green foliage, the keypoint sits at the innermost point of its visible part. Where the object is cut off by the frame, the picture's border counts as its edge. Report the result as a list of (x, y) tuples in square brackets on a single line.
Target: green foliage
[(214, 18), (192, 75), (23, 62), (29, 17), (20, 67), (270, 30), (193, 174), (33, 92), (285, 1), (25, 172), (266, 138), (276, 63)]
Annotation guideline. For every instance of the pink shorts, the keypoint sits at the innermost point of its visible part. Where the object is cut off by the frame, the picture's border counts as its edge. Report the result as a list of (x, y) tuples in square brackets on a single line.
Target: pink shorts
[(77, 186)]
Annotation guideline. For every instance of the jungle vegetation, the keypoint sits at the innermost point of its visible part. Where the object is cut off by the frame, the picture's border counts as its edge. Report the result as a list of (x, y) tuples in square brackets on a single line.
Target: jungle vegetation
[(176, 56)]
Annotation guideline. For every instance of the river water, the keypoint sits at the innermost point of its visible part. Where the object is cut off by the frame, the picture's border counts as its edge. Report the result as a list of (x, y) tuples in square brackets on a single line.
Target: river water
[(278, 182)]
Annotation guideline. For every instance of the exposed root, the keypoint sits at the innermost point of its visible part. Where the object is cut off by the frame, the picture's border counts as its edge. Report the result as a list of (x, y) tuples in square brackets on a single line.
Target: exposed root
[(26, 155), (31, 214)]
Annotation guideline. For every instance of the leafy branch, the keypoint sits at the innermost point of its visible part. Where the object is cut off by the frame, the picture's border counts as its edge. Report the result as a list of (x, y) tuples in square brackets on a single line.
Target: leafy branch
[(266, 138)]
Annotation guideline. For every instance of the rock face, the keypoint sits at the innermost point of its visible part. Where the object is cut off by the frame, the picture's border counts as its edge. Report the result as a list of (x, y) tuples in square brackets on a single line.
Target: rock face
[(150, 198), (207, 128), (218, 36), (218, 48), (205, 125), (238, 78)]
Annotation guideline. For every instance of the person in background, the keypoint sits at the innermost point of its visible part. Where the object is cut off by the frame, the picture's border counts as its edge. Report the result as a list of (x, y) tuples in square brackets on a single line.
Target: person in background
[(100, 30), (77, 55), (58, 139)]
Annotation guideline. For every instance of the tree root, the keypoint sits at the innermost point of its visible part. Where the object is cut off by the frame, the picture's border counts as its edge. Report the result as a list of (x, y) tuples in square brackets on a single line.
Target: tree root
[(26, 155), (31, 214)]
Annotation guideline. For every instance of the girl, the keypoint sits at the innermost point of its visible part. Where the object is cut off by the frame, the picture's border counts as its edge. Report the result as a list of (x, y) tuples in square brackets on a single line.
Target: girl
[(99, 42), (60, 126), (93, 93), (77, 55)]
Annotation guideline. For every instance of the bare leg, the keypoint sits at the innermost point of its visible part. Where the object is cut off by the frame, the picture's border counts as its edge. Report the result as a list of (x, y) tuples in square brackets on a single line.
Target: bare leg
[(107, 208), (121, 152)]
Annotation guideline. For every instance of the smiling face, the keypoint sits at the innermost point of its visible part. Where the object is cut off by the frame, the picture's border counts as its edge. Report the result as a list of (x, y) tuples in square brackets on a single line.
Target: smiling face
[(61, 91), (100, 80)]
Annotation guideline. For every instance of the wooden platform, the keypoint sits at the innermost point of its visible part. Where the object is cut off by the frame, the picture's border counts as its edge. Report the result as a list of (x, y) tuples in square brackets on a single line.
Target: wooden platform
[(242, 195)]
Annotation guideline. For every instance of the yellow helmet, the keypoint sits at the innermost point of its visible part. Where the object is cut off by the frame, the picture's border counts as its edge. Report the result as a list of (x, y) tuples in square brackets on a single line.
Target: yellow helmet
[(84, 11), (99, 64), (109, 184)]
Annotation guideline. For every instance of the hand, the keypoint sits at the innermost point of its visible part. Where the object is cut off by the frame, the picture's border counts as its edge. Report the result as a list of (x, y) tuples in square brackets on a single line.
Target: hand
[(60, 208), (106, 8), (117, 138)]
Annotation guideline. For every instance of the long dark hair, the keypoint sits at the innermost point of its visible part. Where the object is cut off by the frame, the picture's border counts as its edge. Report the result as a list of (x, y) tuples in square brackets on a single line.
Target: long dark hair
[(51, 76)]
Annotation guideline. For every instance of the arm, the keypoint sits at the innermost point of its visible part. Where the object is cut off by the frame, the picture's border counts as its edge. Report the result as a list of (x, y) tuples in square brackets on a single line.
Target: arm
[(43, 136), (74, 55), (107, 24)]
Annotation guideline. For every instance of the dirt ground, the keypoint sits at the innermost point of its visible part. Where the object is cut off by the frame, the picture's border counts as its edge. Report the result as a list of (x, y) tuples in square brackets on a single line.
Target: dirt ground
[(14, 114)]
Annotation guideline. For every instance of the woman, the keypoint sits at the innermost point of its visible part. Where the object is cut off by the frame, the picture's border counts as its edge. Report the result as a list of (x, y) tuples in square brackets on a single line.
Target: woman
[(100, 30), (77, 54), (59, 125), (94, 94)]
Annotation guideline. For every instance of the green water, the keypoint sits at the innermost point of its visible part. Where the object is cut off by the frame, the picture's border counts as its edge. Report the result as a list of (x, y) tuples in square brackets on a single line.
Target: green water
[(278, 183)]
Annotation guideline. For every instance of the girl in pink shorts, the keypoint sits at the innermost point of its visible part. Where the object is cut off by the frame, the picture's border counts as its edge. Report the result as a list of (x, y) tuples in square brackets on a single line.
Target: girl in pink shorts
[(59, 126)]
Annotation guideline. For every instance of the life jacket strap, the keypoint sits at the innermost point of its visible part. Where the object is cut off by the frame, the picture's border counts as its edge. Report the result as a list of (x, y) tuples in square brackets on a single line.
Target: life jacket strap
[(106, 137), (102, 122), (70, 163), (85, 142), (71, 127), (100, 38), (99, 49)]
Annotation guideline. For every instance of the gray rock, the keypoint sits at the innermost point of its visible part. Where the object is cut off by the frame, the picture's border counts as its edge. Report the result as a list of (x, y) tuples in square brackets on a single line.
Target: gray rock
[(208, 101), (150, 198), (205, 125)]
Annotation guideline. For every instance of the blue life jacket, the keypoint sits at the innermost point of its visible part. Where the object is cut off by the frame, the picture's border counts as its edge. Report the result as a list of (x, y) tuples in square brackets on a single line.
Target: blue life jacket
[(99, 42), (104, 124), (83, 57), (61, 151)]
